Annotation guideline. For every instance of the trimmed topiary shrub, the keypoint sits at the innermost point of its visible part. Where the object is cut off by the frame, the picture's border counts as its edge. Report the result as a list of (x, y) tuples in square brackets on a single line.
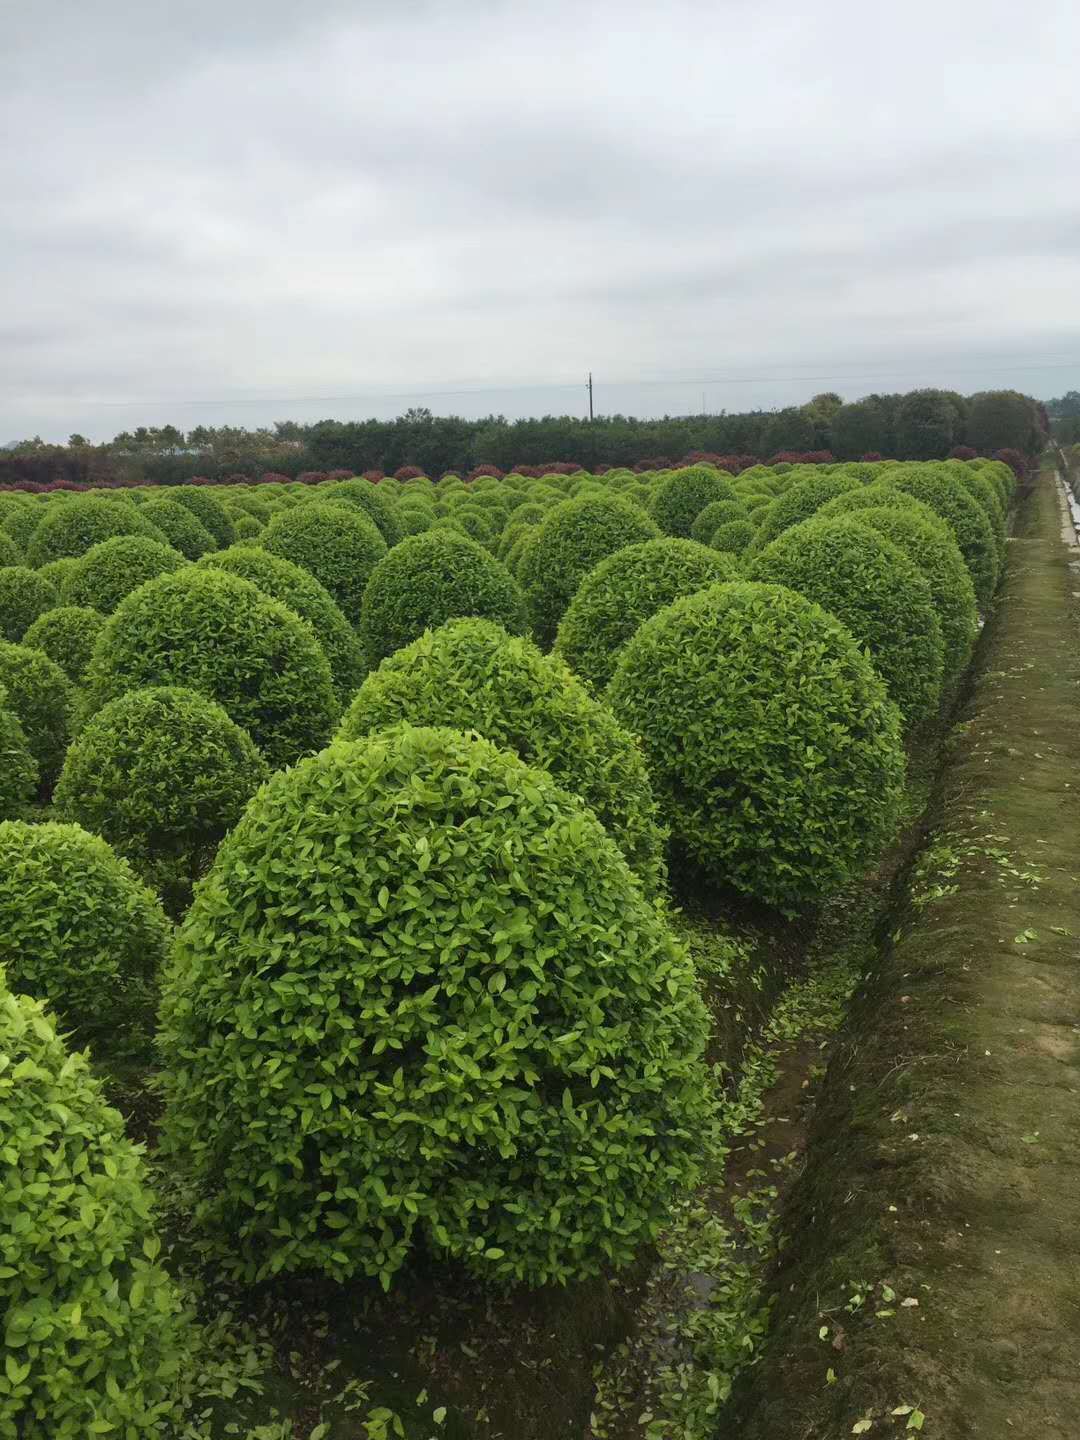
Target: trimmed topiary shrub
[(81, 933), (471, 675), (57, 571), (208, 510), (773, 747), (931, 547), (208, 631), (467, 520), (39, 695), (95, 1335), (429, 579), (18, 768), (81, 523), (298, 589), (24, 595), (377, 502), (623, 591), (575, 536), (10, 554), (511, 1069), (948, 498), (247, 528), (338, 544), (162, 774), (736, 537), (67, 635), (112, 570), (719, 512), (871, 586), (180, 527), (681, 497), (799, 503), (17, 528)]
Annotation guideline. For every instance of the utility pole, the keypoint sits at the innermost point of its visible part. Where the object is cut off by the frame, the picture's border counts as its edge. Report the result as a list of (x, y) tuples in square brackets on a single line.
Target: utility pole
[(589, 388)]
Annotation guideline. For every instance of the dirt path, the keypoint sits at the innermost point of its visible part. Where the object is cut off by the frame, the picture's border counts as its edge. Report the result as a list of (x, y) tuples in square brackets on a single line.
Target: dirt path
[(932, 1277)]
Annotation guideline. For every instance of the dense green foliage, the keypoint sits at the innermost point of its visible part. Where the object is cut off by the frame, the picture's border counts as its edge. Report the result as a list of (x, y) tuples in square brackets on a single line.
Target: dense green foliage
[(376, 501), (112, 569), (18, 768), (39, 696), (81, 933), (684, 494), (67, 635), (772, 745), (162, 774), (870, 585), (95, 1338), (624, 590), (420, 997), (470, 675), (338, 544), (948, 498), (24, 595), (83, 521), (735, 537), (429, 579), (181, 528), (718, 512), (10, 554), (208, 510), (215, 633), (576, 535), (799, 503)]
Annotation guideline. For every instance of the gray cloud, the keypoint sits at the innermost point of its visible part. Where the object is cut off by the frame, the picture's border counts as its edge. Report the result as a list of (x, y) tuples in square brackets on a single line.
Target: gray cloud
[(251, 202)]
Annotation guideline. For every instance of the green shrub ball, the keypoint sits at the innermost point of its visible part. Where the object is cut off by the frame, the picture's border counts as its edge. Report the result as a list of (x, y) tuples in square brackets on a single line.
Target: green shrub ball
[(420, 996), (67, 635), (873, 589), (948, 498), (78, 1237), (803, 500), (24, 595), (110, 571), (718, 512), (180, 527), (338, 544), (208, 510), (429, 579), (735, 537), (221, 636), (82, 522), (576, 535), (471, 675), (681, 497), (81, 933), (10, 553), (18, 769), (377, 502), (39, 695), (622, 592), (162, 774), (773, 747)]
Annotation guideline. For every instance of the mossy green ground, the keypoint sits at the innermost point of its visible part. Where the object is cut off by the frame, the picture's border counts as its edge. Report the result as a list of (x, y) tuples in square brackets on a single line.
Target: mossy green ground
[(931, 1274)]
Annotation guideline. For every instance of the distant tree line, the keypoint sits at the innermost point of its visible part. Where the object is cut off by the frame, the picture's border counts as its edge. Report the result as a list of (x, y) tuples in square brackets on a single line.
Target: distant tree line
[(1064, 415), (920, 425)]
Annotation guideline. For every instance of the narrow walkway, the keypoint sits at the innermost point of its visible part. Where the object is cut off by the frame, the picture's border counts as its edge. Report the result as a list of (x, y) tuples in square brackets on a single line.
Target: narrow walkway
[(934, 1261)]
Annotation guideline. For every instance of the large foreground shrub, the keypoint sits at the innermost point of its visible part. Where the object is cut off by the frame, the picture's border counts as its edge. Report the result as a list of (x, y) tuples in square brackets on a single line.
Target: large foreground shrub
[(773, 747), (18, 768), (24, 595), (162, 774), (429, 579), (338, 544), (109, 572), (94, 1336), (39, 695), (420, 995), (471, 675), (870, 585), (215, 633), (81, 933), (623, 591)]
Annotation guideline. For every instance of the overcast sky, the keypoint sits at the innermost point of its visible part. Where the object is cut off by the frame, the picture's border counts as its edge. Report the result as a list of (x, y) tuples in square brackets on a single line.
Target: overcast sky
[(295, 210)]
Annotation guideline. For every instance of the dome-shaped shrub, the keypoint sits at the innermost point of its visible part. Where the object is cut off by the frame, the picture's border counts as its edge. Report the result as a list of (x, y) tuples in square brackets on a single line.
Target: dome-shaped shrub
[(67, 635), (735, 537), (217, 634), (162, 774), (18, 768), (871, 497), (208, 510), (247, 528), (467, 520), (57, 571), (95, 1337), (298, 589), (81, 933), (718, 512), (112, 570), (931, 547), (982, 490), (39, 695), (17, 527), (416, 517), (683, 494), (180, 527), (871, 586), (429, 579), (622, 591), (10, 553), (471, 675), (338, 544), (772, 745), (377, 502), (84, 521), (947, 497), (576, 535), (24, 595), (799, 503), (421, 994)]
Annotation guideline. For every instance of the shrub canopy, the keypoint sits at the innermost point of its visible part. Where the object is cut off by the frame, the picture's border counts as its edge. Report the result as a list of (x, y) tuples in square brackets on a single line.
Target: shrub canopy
[(948, 498), (39, 695), (67, 635), (18, 768), (183, 530), (718, 512), (799, 503), (114, 568), (377, 502), (83, 522), (683, 494), (24, 595), (338, 544), (208, 510)]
